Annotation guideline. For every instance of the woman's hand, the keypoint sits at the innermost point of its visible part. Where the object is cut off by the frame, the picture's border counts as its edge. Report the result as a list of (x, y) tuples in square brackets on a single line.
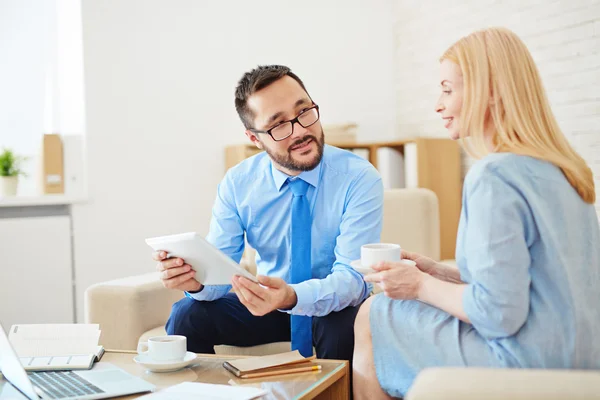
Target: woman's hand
[(425, 264), (431, 267), (398, 280)]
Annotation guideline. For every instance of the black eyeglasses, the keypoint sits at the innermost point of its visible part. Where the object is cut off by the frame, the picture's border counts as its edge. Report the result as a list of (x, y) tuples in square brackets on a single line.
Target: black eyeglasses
[(285, 129)]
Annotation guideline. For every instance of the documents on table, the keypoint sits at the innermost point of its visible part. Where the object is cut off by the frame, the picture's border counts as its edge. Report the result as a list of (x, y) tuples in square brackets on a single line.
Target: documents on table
[(206, 391), (274, 364), (46, 347)]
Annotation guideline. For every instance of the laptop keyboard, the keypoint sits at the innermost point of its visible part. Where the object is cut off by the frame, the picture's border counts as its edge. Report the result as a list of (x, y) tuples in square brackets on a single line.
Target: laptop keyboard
[(63, 384)]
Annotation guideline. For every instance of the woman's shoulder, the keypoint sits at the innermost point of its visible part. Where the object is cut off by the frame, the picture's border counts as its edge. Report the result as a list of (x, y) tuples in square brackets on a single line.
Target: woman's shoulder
[(512, 169)]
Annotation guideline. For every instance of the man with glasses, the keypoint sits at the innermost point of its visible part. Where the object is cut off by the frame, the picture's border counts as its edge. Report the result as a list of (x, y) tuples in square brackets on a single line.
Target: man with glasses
[(306, 208)]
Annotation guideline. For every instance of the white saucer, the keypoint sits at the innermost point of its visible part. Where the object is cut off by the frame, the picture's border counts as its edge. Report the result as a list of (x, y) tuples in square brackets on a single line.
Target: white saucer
[(360, 268), (366, 270), (164, 366)]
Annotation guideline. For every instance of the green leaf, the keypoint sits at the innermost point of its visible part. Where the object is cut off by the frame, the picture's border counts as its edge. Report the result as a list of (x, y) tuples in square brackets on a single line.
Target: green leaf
[(10, 164)]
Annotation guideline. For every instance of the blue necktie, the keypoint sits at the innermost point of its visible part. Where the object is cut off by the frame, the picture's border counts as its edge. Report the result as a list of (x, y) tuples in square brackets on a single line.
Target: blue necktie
[(301, 265)]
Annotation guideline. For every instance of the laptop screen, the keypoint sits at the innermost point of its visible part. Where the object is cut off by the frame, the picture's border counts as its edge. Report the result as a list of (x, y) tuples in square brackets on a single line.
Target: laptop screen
[(11, 368)]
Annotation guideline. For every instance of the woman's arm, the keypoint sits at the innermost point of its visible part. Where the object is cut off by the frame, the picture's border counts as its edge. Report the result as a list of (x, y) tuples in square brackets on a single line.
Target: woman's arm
[(428, 265), (496, 300), (402, 281), (496, 242), (447, 273), (444, 294)]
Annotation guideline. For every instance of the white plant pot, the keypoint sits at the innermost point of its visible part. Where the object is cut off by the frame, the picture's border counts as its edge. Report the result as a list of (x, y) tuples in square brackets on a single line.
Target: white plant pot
[(8, 185)]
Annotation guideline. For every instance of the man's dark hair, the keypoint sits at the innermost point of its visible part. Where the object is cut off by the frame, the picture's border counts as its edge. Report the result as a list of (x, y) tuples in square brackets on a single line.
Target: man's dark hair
[(255, 80)]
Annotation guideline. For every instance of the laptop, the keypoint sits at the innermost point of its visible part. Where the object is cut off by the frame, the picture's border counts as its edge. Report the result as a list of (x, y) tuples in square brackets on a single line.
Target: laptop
[(103, 381)]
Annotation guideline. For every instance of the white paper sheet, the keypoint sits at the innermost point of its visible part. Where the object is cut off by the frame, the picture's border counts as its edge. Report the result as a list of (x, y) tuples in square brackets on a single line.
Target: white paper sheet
[(206, 391), (47, 340)]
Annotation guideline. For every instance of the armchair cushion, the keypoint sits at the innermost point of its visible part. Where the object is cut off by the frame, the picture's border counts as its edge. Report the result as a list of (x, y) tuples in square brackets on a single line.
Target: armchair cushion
[(500, 384), (126, 308)]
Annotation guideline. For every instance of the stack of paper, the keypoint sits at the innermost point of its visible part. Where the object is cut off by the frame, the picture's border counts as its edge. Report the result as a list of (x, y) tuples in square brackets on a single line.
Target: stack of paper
[(46, 347), (190, 390)]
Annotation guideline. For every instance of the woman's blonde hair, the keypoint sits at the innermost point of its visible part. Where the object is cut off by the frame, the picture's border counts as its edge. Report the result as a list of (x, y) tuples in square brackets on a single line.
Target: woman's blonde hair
[(501, 81)]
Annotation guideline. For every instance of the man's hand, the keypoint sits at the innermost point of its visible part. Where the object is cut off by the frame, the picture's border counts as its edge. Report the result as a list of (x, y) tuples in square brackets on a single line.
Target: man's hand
[(260, 300), (175, 273)]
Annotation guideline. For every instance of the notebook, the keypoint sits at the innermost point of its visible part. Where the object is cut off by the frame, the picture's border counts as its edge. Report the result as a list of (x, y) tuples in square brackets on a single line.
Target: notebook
[(275, 364), (48, 347)]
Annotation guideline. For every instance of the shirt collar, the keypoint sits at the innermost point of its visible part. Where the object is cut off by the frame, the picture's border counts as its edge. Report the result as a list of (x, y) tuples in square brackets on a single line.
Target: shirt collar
[(311, 177)]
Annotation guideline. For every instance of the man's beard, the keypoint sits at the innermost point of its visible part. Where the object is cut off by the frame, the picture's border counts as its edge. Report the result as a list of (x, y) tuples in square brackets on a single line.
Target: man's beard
[(287, 161)]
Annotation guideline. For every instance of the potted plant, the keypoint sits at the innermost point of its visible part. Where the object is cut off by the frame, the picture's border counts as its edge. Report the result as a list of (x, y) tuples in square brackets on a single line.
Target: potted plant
[(10, 169)]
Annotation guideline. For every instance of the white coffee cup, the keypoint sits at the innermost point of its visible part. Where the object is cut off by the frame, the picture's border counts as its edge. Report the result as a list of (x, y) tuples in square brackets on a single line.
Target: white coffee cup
[(164, 348), (371, 254)]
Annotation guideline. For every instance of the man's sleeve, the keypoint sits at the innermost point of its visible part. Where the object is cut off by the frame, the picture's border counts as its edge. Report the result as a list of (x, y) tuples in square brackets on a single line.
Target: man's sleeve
[(361, 224), (226, 233)]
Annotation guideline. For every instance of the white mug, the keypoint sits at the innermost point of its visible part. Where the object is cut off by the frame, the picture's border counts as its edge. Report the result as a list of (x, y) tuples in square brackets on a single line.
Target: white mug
[(164, 348), (371, 254)]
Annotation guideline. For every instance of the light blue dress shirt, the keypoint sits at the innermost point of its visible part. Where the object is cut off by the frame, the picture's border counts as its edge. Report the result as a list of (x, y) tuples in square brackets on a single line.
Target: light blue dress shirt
[(528, 250), (346, 200)]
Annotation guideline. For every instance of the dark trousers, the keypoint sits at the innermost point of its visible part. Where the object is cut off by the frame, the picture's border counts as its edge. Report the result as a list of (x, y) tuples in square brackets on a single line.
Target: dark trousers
[(227, 321)]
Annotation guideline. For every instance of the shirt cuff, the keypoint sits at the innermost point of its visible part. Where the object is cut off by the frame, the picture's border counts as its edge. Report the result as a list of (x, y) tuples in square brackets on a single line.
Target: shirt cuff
[(305, 302), (196, 296), (209, 293)]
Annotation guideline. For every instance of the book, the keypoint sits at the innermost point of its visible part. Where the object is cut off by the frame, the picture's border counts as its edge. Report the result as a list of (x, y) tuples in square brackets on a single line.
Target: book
[(49, 347), (274, 364)]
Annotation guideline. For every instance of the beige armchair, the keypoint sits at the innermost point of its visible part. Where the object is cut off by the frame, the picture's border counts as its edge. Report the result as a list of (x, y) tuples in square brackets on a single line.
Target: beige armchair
[(137, 307)]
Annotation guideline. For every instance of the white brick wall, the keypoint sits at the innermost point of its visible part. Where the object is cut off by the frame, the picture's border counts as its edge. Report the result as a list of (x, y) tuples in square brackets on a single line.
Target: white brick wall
[(563, 37)]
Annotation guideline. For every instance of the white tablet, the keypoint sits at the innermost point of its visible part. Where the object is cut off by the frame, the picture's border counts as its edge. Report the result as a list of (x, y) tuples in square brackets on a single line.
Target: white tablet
[(212, 266)]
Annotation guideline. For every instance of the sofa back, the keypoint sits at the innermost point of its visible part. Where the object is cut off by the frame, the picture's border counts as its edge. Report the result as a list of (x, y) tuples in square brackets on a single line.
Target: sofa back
[(411, 218)]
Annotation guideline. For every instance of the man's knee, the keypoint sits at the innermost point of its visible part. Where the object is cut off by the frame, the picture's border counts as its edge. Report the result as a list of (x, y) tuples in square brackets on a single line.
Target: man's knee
[(186, 316), (333, 334), (337, 322)]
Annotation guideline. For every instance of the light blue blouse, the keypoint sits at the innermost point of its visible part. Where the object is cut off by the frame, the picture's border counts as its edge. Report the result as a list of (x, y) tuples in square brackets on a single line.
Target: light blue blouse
[(529, 247), (529, 250)]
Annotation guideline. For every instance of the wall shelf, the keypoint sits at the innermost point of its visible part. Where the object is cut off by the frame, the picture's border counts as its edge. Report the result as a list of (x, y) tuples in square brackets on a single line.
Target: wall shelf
[(42, 200)]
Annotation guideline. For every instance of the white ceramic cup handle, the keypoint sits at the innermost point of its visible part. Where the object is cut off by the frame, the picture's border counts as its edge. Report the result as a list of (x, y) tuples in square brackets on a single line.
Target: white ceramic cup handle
[(142, 348)]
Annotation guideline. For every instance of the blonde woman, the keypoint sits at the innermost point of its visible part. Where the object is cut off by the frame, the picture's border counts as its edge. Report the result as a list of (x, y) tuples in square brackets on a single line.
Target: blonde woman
[(526, 293)]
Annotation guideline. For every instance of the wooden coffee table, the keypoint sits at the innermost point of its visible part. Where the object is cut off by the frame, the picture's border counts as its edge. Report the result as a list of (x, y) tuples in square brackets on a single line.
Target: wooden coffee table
[(332, 382)]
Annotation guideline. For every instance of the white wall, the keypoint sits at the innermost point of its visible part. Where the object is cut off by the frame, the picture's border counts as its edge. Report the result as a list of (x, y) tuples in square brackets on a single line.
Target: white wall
[(563, 37), (159, 81), (40, 79), (26, 29)]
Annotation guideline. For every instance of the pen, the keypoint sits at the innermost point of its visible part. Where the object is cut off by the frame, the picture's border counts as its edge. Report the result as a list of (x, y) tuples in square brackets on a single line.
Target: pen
[(282, 372)]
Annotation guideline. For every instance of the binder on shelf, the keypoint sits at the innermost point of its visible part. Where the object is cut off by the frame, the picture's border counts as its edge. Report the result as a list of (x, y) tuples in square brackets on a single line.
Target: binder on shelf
[(52, 165), (411, 175)]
